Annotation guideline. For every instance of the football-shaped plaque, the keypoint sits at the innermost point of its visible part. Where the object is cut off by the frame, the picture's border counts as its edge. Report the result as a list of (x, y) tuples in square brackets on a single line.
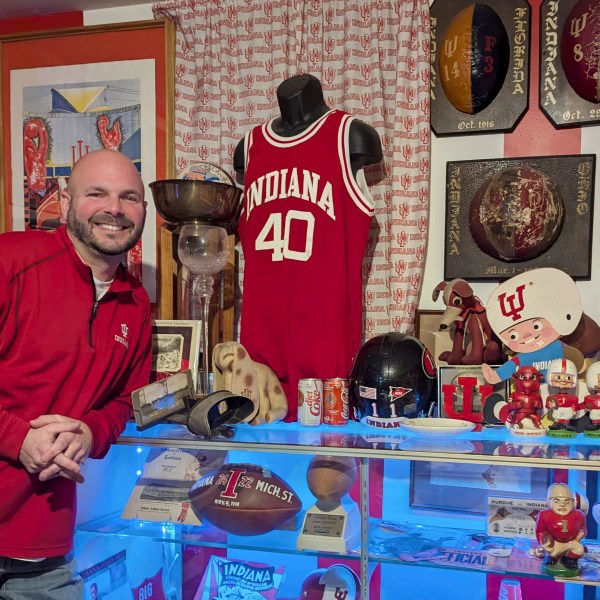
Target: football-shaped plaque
[(509, 215), (570, 62), (579, 43), (479, 65)]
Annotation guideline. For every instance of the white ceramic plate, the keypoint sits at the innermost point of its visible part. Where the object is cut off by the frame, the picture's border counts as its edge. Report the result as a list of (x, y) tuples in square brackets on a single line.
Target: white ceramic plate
[(433, 426)]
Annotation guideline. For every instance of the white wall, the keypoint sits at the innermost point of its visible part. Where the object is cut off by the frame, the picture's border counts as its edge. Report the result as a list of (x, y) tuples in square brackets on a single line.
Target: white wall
[(138, 12)]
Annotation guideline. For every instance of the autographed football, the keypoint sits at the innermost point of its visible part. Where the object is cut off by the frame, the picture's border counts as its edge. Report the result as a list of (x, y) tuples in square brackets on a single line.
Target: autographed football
[(331, 477), (244, 499), (517, 214), (579, 49)]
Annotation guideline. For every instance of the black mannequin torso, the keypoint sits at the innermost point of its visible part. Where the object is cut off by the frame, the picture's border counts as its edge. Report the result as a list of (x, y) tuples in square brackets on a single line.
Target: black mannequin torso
[(301, 103)]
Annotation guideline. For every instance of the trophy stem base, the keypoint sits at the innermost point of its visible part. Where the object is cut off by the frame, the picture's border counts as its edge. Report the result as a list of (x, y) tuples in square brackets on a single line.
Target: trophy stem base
[(334, 530)]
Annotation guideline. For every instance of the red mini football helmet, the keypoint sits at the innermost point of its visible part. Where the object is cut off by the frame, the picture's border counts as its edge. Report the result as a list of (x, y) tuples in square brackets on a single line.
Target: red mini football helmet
[(338, 581)]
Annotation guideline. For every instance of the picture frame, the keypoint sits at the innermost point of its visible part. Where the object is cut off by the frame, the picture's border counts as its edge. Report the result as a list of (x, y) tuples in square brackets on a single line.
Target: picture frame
[(107, 576), (457, 487), (464, 394), (175, 348), (65, 92), (427, 329), (478, 229)]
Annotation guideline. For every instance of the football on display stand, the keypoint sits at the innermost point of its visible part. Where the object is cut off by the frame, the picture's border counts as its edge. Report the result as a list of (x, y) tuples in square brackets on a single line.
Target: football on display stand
[(331, 477), (244, 499)]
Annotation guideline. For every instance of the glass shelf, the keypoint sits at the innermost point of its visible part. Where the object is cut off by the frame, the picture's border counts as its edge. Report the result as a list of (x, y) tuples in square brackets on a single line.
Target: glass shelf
[(389, 543), (492, 444), (281, 541)]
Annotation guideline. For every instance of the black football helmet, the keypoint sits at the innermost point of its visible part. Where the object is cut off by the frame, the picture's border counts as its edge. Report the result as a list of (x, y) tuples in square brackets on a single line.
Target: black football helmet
[(393, 376)]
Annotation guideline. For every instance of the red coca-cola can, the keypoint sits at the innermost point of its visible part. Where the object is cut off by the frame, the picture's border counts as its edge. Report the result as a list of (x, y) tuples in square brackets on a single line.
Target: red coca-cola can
[(335, 401), (336, 439), (310, 401)]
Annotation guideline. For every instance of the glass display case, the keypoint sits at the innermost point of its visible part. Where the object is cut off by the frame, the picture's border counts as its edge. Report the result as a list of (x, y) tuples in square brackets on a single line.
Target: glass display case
[(425, 517)]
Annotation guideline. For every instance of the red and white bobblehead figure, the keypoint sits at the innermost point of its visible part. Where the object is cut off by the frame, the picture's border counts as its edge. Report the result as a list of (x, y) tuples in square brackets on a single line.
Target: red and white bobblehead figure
[(529, 313), (592, 400), (525, 402), (562, 399), (559, 531)]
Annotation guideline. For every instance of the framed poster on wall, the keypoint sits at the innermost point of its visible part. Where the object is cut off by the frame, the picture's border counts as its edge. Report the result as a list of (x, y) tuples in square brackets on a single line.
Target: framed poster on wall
[(67, 92)]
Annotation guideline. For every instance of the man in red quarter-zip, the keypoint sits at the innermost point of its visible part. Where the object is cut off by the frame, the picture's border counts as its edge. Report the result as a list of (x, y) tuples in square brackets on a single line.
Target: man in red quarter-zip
[(75, 341)]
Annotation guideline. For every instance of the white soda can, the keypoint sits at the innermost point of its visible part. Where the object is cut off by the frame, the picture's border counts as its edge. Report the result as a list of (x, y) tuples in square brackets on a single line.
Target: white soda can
[(310, 402)]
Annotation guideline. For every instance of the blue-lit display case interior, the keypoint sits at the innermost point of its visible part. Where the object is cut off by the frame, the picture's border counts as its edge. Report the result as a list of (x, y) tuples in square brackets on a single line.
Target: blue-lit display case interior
[(418, 513)]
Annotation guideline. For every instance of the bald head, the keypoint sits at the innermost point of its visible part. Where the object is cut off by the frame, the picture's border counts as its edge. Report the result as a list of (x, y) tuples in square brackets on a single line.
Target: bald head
[(102, 160)]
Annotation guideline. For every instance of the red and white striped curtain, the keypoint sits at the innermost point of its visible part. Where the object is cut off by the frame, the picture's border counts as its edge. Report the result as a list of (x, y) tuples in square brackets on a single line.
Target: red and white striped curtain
[(372, 58)]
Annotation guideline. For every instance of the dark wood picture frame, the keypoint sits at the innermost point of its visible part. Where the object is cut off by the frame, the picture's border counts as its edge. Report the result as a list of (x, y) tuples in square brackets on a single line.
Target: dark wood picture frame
[(573, 178)]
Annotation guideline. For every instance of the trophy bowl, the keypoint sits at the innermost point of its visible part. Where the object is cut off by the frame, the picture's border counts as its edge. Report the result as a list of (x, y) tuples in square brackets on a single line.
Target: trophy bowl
[(184, 200)]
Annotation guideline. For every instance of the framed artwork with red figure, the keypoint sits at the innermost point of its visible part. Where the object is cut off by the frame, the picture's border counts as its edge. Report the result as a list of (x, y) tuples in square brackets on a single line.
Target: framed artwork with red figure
[(66, 92)]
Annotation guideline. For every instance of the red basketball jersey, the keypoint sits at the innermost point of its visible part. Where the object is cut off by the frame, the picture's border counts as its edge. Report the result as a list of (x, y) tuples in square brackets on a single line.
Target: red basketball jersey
[(303, 230)]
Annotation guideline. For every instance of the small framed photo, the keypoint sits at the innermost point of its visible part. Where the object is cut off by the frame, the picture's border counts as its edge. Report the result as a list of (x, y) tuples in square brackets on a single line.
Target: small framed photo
[(463, 393), (448, 486), (427, 329), (175, 348)]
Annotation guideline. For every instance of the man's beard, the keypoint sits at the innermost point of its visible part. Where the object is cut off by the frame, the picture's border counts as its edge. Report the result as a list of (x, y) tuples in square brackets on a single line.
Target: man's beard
[(83, 232)]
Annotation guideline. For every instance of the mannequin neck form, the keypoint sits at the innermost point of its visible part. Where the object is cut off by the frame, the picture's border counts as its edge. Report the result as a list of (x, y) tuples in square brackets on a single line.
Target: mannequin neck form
[(301, 103)]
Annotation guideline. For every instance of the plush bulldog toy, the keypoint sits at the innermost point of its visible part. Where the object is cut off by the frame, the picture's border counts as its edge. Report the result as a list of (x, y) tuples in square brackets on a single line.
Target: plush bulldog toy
[(234, 370)]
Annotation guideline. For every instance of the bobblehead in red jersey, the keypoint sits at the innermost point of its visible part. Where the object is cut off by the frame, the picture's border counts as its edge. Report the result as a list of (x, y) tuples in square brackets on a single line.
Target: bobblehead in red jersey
[(303, 229), (592, 400), (526, 403), (560, 530)]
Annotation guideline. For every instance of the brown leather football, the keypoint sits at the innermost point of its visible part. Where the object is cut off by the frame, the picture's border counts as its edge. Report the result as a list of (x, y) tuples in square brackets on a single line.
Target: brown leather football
[(579, 49), (474, 58), (244, 499), (331, 477)]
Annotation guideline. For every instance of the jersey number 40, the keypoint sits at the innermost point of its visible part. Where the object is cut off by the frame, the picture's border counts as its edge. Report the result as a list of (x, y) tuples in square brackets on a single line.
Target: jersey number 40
[(276, 235)]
